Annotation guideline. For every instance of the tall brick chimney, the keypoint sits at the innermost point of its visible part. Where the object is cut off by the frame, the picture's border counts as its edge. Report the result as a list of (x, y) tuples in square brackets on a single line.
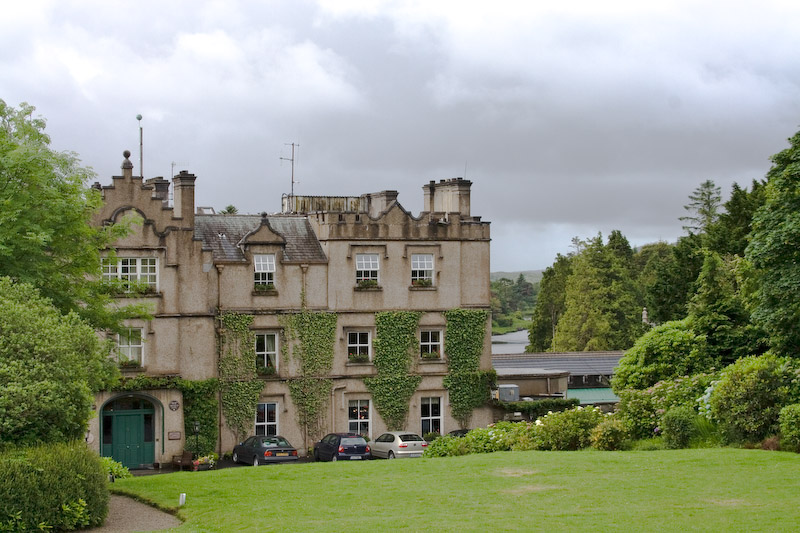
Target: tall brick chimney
[(448, 196), (183, 197)]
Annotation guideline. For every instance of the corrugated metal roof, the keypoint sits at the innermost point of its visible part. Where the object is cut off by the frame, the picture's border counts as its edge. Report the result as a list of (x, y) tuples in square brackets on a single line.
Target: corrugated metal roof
[(576, 363), (222, 233), (593, 396)]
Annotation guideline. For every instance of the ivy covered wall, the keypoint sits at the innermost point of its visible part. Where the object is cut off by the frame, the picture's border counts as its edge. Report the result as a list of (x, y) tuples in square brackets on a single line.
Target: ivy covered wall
[(395, 347), (468, 386), (239, 386)]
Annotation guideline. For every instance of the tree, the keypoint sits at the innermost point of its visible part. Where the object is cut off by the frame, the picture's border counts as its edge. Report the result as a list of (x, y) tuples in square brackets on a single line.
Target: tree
[(549, 304), (703, 208), (46, 238), (602, 308), (50, 364), (229, 210), (717, 311), (774, 252), (728, 236)]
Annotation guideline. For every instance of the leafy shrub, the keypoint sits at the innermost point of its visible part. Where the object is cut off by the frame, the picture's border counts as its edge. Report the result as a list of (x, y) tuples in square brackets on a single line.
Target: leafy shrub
[(568, 430), (431, 436), (610, 434), (748, 398), (677, 426), (447, 446), (114, 468), (637, 412), (539, 408), (641, 410), (664, 352), (505, 321), (62, 486), (789, 420)]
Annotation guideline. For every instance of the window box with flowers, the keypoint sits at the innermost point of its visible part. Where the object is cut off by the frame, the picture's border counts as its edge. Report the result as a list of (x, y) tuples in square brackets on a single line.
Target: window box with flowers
[(368, 285), (262, 370), (130, 364), (358, 358), (264, 289), (431, 356)]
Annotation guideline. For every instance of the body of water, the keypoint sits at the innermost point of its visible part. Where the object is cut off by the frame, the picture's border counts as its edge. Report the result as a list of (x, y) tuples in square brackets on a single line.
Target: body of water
[(510, 342)]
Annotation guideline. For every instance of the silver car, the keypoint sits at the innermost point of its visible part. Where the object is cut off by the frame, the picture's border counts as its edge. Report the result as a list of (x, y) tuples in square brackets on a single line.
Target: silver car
[(397, 444)]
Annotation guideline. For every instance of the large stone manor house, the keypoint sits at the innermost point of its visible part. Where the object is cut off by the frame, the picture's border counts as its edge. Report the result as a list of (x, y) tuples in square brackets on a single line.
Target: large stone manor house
[(353, 257)]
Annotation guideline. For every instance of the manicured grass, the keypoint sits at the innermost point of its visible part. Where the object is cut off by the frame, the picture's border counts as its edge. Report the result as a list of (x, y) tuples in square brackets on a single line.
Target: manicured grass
[(707, 490)]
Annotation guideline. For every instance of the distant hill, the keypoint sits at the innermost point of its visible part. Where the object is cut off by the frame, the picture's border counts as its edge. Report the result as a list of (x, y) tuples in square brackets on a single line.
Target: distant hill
[(532, 276)]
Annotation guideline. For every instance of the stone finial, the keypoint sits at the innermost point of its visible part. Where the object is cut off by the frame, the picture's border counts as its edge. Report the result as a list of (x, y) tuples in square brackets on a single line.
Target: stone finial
[(126, 164)]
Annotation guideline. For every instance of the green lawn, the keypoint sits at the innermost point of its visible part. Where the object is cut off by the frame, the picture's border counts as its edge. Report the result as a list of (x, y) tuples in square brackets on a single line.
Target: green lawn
[(707, 490)]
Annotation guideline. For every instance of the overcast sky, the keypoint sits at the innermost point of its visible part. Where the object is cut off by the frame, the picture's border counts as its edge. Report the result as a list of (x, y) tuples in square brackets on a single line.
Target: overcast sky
[(570, 118)]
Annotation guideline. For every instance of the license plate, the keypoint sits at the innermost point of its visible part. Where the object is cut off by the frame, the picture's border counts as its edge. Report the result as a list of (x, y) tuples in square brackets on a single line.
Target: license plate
[(415, 455), (355, 458), (282, 454)]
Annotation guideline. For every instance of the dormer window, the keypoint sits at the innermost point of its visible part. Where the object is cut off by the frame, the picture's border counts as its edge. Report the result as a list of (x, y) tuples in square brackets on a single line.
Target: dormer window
[(264, 275)]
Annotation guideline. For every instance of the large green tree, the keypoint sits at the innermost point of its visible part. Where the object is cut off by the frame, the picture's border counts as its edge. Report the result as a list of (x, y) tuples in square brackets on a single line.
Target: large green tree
[(774, 252), (50, 364), (46, 238), (728, 236), (550, 304), (717, 311), (602, 309)]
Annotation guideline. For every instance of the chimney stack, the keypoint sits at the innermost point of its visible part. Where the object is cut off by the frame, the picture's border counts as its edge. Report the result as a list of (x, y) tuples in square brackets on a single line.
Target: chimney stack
[(183, 197)]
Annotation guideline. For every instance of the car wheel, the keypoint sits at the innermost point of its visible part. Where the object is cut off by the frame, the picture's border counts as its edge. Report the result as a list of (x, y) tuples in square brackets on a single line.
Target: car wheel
[(316, 455), (334, 458), (255, 461), (391, 455), (235, 457)]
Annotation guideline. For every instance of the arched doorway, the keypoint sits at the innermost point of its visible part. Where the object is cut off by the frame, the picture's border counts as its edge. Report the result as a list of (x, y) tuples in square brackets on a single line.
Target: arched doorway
[(128, 430)]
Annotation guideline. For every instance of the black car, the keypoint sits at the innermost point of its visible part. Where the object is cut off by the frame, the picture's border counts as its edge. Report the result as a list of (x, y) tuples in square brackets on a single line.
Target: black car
[(341, 447), (458, 432), (263, 449)]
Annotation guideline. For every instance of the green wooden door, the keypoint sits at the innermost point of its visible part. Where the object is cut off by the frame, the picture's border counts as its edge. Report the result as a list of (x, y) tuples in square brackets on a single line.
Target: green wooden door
[(128, 434)]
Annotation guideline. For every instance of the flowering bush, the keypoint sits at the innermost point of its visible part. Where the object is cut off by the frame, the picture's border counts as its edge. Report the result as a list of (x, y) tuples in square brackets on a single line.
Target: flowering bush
[(210, 460), (610, 434), (790, 427), (641, 410), (567, 430)]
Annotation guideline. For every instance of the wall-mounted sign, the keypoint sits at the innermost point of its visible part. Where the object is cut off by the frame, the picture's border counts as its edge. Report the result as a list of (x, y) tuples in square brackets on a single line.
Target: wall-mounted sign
[(173, 405), (174, 435)]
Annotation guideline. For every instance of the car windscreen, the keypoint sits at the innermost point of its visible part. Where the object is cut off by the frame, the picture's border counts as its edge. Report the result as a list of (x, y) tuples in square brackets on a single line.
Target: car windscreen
[(410, 437), (275, 443), (353, 441)]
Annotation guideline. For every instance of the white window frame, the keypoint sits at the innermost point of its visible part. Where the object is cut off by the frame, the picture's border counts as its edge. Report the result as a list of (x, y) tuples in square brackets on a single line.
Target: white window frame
[(430, 418), (266, 425), (363, 416), (264, 269), (356, 344), (128, 350), (421, 268), (430, 340), (143, 270), (368, 267), (266, 354)]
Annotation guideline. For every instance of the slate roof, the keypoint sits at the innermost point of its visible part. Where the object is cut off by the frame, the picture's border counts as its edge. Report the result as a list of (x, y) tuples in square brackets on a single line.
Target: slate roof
[(222, 233), (576, 363)]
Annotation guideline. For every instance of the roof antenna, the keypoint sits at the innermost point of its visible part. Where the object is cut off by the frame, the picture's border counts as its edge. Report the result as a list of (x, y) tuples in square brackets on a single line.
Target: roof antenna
[(292, 160), (465, 170)]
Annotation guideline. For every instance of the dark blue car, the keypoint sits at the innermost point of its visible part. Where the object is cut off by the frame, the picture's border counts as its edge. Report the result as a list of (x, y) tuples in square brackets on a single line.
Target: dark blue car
[(261, 450), (341, 447)]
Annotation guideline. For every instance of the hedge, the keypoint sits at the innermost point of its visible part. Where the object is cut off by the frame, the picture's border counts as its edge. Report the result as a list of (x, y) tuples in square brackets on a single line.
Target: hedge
[(59, 486)]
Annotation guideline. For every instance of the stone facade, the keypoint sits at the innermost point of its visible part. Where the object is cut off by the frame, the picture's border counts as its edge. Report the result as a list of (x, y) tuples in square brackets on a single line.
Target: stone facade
[(351, 256)]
